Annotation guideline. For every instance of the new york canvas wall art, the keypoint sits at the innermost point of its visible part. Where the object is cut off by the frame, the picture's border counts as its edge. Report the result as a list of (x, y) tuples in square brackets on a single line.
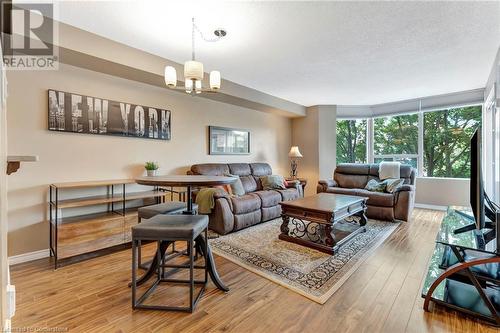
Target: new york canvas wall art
[(70, 112)]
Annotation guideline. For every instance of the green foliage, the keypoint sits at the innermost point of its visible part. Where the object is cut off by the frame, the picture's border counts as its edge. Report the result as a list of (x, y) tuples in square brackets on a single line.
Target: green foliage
[(151, 166), (351, 141), (447, 136), (396, 135)]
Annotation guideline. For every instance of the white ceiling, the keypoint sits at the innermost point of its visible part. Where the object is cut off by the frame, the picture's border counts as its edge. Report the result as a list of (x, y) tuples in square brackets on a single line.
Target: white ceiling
[(315, 52)]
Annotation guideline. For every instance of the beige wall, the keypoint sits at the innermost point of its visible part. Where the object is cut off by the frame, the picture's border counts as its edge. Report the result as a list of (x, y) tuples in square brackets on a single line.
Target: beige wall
[(315, 135), (305, 135), (70, 156), (442, 191)]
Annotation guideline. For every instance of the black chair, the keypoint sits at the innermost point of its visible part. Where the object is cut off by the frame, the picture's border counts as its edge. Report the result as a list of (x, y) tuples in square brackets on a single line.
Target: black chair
[(166, 229)]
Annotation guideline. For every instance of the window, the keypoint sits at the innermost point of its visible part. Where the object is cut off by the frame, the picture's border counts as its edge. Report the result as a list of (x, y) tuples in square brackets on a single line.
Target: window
[(351, 141), (396, 139), (447, 136), (444, 140)]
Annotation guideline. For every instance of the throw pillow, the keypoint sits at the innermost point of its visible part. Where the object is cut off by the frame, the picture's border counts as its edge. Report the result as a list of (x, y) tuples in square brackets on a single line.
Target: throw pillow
[(393, 184), (273, 182), (237, 186), (375, 186)]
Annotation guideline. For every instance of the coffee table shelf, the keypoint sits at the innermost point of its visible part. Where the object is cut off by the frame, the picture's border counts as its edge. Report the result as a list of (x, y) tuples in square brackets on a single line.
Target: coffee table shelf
[(324, 221)]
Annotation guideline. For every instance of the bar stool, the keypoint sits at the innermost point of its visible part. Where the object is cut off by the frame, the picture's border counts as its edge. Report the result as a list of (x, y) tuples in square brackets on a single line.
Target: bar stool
[(166, 229), (147, 212)]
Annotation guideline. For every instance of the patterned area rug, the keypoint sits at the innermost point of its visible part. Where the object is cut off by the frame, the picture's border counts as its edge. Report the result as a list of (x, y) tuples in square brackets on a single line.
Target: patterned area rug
[(313, 274)]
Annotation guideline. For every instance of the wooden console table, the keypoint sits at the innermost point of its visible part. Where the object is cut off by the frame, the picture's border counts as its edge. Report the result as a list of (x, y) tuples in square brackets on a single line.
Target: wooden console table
[(77, 237), (463, 274)]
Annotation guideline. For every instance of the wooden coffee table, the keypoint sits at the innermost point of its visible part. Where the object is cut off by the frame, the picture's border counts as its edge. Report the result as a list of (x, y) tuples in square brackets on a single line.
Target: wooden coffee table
[(324, 221)]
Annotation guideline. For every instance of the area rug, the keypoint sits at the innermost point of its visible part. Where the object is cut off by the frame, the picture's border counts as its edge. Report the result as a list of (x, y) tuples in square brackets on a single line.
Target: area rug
[(311, 273)]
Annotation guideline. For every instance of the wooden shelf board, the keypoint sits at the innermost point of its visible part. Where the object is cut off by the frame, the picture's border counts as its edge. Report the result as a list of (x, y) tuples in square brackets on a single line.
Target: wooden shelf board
[(104, 199), (96, 183)]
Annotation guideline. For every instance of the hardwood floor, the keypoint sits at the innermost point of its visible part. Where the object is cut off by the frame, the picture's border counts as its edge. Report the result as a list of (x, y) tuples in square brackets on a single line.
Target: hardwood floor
[(383, 295)]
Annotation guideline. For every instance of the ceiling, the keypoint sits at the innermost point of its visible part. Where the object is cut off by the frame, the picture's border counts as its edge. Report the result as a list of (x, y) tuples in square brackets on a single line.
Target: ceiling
[(349, 53)]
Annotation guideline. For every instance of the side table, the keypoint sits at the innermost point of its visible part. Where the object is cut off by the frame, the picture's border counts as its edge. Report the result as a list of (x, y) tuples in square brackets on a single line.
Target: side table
[(302, 181)]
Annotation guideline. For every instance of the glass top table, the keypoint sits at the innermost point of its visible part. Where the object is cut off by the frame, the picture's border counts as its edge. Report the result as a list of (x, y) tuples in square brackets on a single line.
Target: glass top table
[(463, 274)]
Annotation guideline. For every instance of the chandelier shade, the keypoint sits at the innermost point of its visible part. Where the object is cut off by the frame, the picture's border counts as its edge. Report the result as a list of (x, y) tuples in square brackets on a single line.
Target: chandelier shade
[(170, 76), (214, 80), (193, 70)]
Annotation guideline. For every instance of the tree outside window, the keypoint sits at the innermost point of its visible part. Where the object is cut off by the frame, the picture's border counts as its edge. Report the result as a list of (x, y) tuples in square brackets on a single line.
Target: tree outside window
[(447, 136), (396, 139), (351, 141)]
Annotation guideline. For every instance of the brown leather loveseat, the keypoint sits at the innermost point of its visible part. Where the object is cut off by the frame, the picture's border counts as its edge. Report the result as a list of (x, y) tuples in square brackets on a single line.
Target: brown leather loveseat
[(351, 179), (233, 213)]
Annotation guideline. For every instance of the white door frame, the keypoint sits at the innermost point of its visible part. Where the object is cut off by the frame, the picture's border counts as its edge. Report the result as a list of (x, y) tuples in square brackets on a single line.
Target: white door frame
[(4, 264)]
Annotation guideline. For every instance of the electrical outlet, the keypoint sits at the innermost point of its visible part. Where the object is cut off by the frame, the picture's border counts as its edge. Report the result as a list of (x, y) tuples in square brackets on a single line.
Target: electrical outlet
[(11, 300)]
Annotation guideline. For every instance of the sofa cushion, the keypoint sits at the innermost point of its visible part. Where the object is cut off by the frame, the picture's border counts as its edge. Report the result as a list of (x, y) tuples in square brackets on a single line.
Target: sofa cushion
[(269, 198), (245, 220), (240, 169), (249, 183), (210, 169), (351, 181), (288, 194), (340, 190), (260, 169), (270, 213), (376, 198), (246, 203)]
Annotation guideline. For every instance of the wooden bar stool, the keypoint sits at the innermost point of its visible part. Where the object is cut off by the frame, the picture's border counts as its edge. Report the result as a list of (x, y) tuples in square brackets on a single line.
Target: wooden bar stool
[(166, 229)]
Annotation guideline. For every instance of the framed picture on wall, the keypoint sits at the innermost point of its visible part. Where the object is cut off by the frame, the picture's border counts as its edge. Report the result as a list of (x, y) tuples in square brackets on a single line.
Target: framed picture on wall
[(70, 112), (228, 141)]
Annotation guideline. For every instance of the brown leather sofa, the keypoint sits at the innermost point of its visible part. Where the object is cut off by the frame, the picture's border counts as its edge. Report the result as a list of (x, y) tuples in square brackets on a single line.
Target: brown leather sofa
[(351, 179), (233, 213)]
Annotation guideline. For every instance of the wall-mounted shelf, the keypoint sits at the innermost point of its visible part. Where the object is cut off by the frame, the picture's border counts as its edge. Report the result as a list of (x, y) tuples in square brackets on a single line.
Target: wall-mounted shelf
[(14, 162), (86, 235)]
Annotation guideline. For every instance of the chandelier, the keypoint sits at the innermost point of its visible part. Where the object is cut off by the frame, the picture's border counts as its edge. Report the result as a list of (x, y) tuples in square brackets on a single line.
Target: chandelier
[(193, 70)]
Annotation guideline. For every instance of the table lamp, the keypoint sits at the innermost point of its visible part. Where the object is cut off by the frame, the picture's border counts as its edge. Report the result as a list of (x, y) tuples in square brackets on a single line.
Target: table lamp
[(294, 155)]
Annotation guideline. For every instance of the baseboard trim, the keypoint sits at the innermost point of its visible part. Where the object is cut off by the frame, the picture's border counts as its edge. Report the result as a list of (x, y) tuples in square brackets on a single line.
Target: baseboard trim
[(30, 256), (433, 207)]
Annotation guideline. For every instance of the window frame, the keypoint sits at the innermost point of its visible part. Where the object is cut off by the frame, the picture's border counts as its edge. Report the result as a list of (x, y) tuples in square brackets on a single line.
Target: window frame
[(370, 138)]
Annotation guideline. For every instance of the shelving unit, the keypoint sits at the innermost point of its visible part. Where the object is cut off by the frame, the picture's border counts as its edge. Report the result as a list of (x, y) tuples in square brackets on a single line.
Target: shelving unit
[(91, 234), (463, 275)]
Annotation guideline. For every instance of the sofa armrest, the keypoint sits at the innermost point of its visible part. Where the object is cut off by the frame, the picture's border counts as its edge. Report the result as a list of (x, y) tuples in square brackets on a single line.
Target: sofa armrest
[(224, 196), (292, 183), (405, 187), (328, 183), (323, 185)]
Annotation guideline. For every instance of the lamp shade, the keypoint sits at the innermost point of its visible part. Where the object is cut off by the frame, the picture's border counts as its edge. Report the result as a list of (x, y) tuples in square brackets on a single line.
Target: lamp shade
[(170, 76), (193, 70), (214, 80), (294, 152)]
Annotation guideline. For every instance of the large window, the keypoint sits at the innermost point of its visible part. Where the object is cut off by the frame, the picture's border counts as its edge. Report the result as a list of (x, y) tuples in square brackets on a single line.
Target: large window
[(443, 140), (396, 139), (447, 136), (351, 141)]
